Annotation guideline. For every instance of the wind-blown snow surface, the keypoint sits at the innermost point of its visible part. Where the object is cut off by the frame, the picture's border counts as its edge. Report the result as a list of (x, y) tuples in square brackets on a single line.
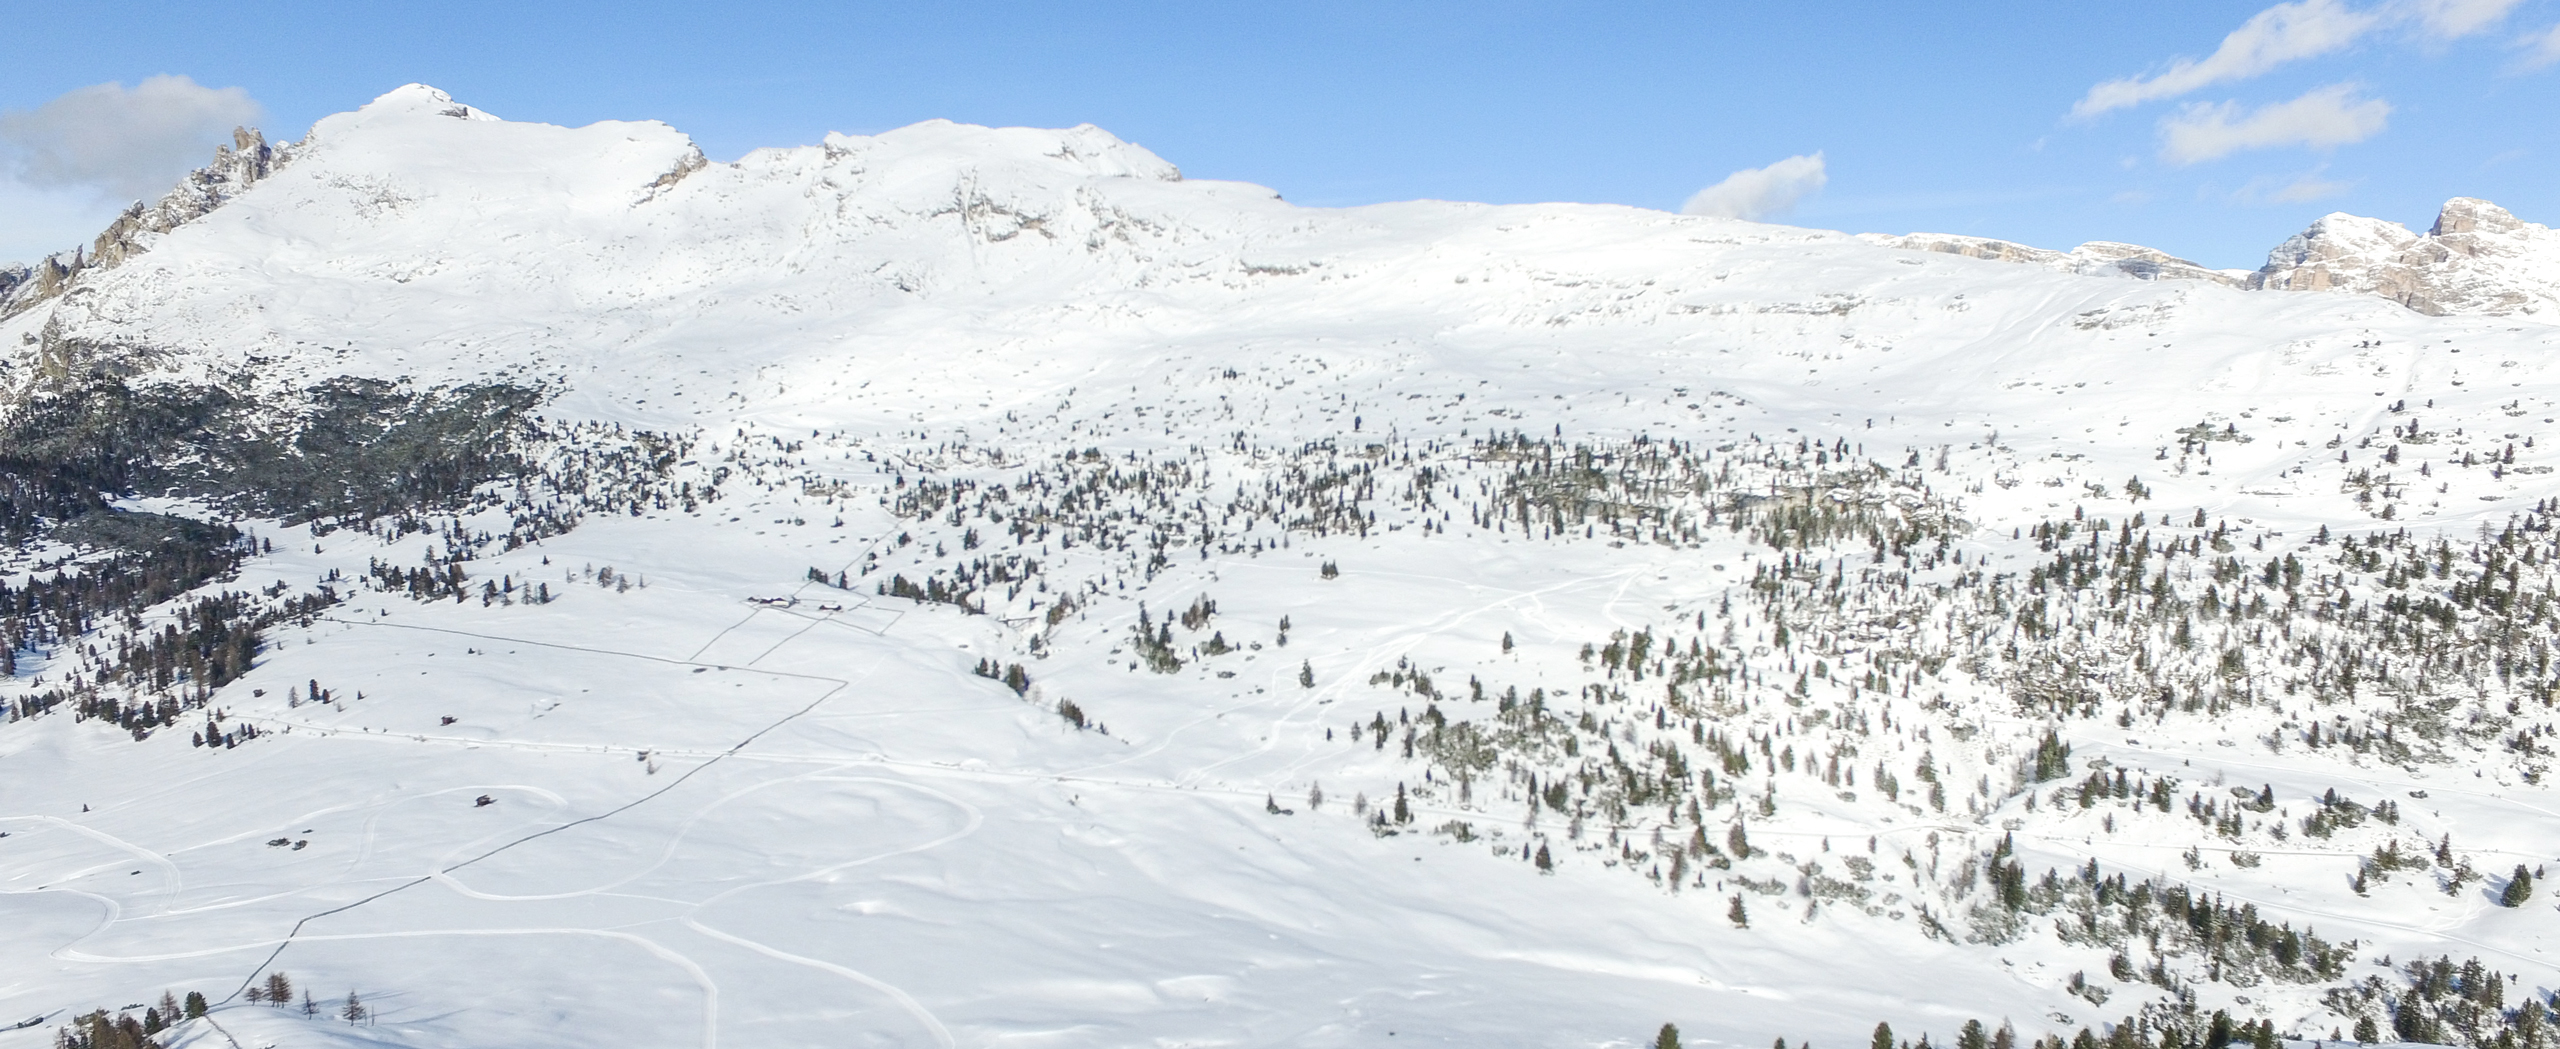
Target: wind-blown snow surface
[(717, 822)]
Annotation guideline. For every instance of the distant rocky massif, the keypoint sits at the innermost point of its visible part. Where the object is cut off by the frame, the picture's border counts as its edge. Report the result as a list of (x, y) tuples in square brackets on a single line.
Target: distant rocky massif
[(2476, 259)]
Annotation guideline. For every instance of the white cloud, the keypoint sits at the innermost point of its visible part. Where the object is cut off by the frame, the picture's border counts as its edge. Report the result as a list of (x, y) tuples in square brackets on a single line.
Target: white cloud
[(2290, 33), (2309, 188), (2280, 34), (2454, 19), (2324, 117), (126, 142), (2542, 48), (1754, 192), (2301, 189)]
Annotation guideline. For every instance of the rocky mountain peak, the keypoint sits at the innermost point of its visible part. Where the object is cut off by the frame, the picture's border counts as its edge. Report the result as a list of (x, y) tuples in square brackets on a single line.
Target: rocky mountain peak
[(2465, 214), (2477, 258), (236, 167)]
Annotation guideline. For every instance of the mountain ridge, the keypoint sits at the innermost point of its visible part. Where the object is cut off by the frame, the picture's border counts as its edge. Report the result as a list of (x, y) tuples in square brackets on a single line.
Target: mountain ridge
[(2475, 258), (848, 594)]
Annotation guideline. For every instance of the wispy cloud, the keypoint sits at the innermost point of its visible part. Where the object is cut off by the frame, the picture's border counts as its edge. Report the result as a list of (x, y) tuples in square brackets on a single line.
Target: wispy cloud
[(2542, 48), (1756, 192), (2454, 19), (2322, 118), (2292, 32), (2280, 34), (2310, 188), (2299, 189), (131, 142)]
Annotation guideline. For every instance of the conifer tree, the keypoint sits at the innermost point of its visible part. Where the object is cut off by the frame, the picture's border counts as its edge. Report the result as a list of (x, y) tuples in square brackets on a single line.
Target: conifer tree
[(2519, 888), (1739, 915), (196, 1005), (1667, 1038), (2219, 1035), (1973, 1036), (279, 989), (1884, 1033), (354, 1011), (1545, 862)]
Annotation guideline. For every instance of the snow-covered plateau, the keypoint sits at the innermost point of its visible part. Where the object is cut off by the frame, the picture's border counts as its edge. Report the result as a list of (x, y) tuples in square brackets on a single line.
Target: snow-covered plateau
[(499, 584)]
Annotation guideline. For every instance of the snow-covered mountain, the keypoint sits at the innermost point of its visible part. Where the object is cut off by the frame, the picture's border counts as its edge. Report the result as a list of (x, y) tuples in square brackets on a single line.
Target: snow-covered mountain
[(2476, 259), (977, 586)]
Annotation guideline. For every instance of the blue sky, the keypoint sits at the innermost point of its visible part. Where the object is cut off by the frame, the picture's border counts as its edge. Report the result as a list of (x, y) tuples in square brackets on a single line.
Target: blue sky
[(2209, 130)]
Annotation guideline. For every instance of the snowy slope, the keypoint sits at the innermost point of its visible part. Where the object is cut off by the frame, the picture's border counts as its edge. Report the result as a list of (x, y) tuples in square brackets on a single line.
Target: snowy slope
[(731, 801)]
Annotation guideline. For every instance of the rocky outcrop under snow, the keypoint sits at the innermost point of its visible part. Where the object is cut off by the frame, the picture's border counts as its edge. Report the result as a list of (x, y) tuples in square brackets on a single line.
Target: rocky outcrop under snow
[(2096, 258), (2477, 259), (235, 168)]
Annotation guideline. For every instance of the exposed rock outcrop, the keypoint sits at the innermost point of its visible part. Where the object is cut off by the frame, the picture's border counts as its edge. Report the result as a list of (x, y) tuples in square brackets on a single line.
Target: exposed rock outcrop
[(40, 282), (2096, 258), (2476, 259), (235, 168)]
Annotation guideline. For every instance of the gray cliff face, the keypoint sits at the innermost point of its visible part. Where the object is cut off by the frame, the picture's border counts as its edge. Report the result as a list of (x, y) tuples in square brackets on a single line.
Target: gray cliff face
[(235, 168), (2476, 259)]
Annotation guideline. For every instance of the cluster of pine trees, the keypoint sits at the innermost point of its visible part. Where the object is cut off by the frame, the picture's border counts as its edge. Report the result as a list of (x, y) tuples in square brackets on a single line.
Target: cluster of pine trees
[(2447, 1003), (348, 453), (97, 1030), (2444, 1003), (140, 674)]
